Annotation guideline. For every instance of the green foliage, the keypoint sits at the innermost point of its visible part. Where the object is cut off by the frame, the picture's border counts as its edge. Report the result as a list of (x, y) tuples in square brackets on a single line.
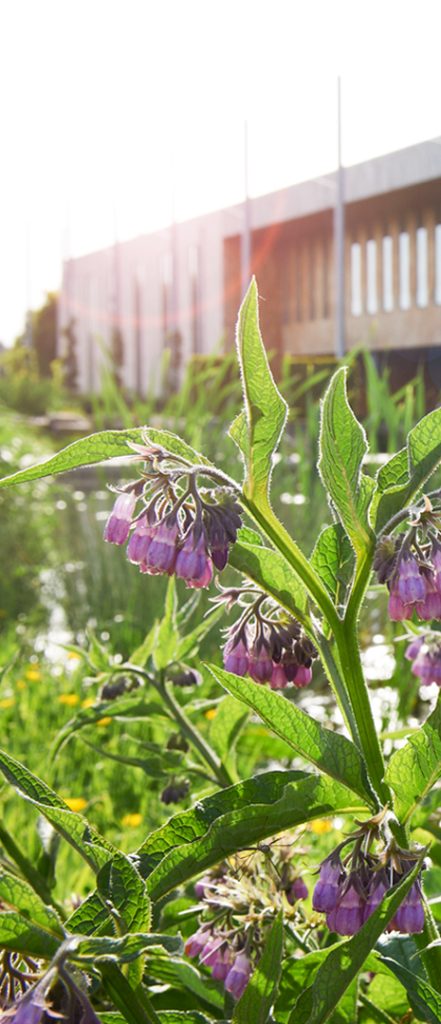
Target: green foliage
[(148, 715), (328, 751)]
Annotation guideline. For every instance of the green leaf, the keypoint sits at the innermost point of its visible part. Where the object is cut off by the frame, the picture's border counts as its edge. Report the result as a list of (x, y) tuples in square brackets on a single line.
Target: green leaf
[(186, 827), (328, 751), (107, 444), (424, 1000), (272, 572), (123, 890), (73, 827), (333, 560), (19, 935), (165, 1017), (17, 894), (124, 948), (310, 797), (343, 446), (398, 484), (258, 430), (256, 1002), (184, 976), (167, 637), (414, 768), (342, 965)]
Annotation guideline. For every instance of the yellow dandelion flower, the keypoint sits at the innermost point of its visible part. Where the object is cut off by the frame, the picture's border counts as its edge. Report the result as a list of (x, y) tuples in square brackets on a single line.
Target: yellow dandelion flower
[(33, 675), (131, 820), (88, 702), (104, 721), (7, 702), (75, 803), (20, 684), (321, 826), (70, 699), (211, 713)]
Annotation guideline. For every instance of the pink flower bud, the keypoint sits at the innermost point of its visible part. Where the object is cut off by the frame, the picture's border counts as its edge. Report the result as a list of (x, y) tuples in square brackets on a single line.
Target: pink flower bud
[(118, 524)]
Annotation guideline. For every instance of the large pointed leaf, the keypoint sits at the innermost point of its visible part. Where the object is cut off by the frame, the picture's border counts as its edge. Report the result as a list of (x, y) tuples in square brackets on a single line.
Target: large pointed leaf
[(73, 827), (258, 431), (123, 890), (17, 894), (107, 444), (399, 485), (186, 827), (414, 768), (344, 961), (124, 948), (343, 446), (423, 998), (328, 751), (333, 560), (260, 993), (311, 797), (19, 935)]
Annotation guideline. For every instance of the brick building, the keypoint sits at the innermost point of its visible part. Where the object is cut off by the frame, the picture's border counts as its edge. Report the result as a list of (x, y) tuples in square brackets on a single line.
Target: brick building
[(179, 289)]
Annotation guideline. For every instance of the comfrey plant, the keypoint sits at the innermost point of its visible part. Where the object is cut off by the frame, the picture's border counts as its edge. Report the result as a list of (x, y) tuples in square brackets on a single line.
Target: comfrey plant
[(369, 915)]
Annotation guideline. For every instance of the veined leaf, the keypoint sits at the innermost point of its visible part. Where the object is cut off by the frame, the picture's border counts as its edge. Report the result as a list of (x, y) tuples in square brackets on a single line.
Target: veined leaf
[(17, 894), (260, 993), (123, 948), (258, 430), (72, 826), (311, 797), (164, 1016), (328, 751), (333, 560), (184, 976), (414, 768), (107, 444), (399, 486), (271, 571), (19, 935), (424, 999), (121, 888), (342, 965), (187, 827), (343, 446)]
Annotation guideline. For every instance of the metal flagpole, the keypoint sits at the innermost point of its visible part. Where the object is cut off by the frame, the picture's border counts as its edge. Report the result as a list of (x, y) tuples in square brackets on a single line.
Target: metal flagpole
[(339, 242)]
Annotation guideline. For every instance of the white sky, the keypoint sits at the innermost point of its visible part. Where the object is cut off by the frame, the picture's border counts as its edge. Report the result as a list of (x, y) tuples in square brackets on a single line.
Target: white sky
[(106, 102)]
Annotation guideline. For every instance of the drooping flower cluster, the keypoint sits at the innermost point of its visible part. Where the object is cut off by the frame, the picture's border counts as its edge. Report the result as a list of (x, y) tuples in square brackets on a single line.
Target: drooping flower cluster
[(425, 654), (266, 644), (55, 995), (238, 903), (410, 565), (171, 526), (348, 892)]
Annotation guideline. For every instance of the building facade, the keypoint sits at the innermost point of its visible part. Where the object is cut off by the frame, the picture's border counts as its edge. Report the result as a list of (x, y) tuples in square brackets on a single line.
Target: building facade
[(174, 294)]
